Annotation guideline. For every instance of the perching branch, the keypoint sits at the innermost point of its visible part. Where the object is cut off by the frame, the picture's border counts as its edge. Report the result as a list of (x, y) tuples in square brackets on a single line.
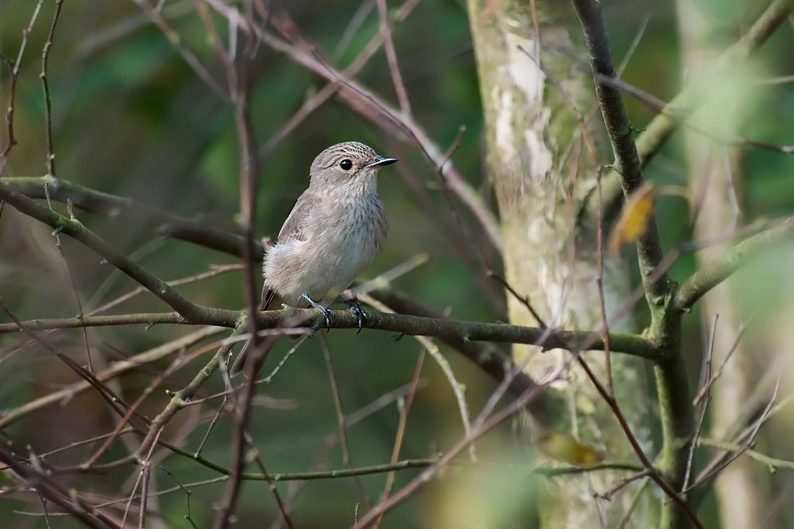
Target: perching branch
[(445, 329)]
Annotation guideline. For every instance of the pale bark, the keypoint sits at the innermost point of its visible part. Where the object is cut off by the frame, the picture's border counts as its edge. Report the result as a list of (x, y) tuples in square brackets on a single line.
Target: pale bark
[(538, 165), (742, 488)]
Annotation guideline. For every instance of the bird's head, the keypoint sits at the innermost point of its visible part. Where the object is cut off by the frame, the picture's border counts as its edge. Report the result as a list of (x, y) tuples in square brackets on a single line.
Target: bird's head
[(347, 164)]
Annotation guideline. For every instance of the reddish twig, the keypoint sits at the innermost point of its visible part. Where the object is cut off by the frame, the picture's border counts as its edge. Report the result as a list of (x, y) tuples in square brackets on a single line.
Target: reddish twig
[(391, 58), (12, 85)]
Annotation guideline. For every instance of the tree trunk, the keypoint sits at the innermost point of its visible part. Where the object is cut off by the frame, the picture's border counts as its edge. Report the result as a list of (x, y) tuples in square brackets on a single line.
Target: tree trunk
[(539, 166), (743, 488)]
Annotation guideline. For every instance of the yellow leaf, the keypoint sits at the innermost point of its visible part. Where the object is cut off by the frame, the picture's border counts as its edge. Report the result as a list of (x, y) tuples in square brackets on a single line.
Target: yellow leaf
[(565, 448), (633, 220)]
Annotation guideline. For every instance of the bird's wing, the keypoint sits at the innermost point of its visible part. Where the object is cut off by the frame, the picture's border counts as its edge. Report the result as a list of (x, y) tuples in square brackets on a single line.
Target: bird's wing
[(294, 225), (267, 298)]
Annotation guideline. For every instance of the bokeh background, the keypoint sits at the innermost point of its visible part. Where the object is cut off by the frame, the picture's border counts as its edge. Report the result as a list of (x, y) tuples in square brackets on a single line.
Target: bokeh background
[(130, 118)]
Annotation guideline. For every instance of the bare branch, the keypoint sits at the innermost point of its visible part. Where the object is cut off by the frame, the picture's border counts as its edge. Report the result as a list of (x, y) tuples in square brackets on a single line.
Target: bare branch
[(734, 258), (47, 487), (45, 56), (12, 85), (13, 415), (659, 130), (446, 329), (627, 161), (77, 230), (169, 225)]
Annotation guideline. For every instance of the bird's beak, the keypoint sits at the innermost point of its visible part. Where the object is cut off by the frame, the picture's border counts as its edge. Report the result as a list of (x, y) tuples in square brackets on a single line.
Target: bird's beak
[(380, 161)]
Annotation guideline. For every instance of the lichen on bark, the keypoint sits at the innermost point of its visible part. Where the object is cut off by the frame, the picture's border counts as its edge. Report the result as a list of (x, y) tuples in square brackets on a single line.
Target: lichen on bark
[(540, 171)]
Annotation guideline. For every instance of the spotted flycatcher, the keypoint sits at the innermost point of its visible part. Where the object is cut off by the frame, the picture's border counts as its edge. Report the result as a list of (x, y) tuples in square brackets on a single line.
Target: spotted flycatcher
[(332, 234)]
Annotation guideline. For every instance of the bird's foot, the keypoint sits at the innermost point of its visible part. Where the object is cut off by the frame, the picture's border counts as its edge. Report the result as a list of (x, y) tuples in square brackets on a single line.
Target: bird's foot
[(325, 312), (355, 308)]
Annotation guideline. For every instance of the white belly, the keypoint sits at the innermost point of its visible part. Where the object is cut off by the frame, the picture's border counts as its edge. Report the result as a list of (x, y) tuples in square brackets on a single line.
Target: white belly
[(333, 255)]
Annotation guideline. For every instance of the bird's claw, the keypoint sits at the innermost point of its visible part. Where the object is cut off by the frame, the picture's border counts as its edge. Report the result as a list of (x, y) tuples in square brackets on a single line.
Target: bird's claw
[(355, 308), (326, 313)]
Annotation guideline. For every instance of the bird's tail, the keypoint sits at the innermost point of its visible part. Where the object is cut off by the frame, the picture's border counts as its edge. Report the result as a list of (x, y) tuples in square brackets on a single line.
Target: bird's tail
[(244, 357)]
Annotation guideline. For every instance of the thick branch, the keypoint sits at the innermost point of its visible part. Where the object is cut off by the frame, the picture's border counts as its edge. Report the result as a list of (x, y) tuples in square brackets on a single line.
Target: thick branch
[(716, 272), (488, 357), (661, 127), (168, 224), (77, 230), (627, 161), (665, 329), (447, 330)]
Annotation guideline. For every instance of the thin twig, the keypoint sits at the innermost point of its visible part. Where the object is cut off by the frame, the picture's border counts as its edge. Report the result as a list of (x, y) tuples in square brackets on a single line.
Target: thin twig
[(73, 285), (12, 85), (333, 86), (11, 416), (78, 231), (769, 462), (600, 284), (178, 43), (458, 389), (635, 445), (391, 58), (523, 299), (705, 384), (340, 418), (45, 56), (704, 391), (404, 406), (168, 224), (405, 492), (745, 446), (50, 489)]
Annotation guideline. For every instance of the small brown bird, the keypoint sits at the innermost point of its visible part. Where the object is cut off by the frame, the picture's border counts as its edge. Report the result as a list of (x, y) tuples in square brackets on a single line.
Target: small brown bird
[(332, 234)]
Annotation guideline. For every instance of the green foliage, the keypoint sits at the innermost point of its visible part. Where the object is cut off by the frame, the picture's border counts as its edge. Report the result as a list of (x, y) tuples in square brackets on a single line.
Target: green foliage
[(130, 117)]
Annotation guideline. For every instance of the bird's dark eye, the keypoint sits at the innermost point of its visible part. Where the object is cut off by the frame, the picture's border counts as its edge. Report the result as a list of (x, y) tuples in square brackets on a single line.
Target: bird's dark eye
[(346, 164)]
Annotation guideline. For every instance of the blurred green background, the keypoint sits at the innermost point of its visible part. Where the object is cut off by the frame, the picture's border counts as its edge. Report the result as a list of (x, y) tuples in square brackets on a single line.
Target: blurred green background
[(130, 118)]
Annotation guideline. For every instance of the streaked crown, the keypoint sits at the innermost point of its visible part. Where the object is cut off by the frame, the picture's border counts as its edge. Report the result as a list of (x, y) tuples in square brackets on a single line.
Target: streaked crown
[(345, 161)]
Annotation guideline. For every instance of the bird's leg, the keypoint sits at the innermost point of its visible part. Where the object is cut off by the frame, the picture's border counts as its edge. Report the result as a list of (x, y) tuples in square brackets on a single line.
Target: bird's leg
[(355, 308), (326, 312)]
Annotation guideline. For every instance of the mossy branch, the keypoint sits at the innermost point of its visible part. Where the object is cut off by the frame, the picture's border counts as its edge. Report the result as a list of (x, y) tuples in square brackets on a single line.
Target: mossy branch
[(75, 229), (733, 259), (666, 122), (458, 330)]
